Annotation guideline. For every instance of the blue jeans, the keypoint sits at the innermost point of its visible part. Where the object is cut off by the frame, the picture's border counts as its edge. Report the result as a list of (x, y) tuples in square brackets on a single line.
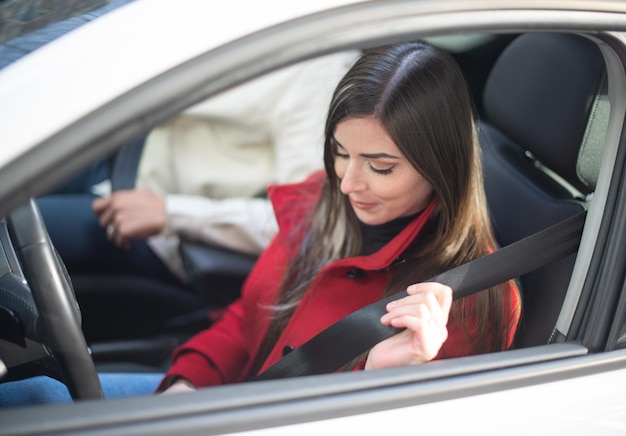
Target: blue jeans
[(46, 390)]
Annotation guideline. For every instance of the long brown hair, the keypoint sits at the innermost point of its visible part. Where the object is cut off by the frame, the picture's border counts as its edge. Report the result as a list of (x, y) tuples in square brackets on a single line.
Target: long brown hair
[(418, 94)]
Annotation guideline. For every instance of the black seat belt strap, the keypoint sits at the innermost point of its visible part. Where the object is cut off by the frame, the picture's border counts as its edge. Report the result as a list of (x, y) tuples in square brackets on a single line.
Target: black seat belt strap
[(358, 332)]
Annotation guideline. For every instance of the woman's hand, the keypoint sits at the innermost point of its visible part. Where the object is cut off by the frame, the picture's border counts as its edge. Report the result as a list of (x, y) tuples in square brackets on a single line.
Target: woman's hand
[(131, 214), (180, 386), (424, 315)]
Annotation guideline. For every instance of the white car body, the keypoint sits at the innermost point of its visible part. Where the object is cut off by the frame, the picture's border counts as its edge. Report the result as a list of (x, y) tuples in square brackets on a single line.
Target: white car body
[(577, 406), (94, 55)]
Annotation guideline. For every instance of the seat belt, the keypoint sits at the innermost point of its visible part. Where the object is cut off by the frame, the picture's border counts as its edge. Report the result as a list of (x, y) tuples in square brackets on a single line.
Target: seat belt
[(358, 332), (126, 164)]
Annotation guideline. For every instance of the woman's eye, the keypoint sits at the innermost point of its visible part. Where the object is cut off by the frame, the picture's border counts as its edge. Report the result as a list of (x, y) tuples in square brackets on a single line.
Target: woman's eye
[(383, 171)]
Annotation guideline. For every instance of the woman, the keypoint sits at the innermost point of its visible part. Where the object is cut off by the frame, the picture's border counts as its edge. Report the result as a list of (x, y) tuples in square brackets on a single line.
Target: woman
[(401, 200)]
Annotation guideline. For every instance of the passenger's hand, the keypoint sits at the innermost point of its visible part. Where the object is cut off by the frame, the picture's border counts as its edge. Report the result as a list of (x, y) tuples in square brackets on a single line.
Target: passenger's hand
[(132, 214), (179, 387), (424, 315)]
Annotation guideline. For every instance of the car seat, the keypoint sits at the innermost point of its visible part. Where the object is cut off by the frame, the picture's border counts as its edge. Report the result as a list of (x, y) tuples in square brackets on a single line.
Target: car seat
[(542, 137)]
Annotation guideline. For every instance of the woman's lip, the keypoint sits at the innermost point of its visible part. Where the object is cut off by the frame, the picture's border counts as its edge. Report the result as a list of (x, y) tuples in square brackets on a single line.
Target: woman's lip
[(361, 205)]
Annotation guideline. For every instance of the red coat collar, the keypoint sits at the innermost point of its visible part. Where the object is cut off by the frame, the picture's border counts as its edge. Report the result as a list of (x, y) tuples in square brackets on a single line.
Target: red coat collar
[(292, 203)]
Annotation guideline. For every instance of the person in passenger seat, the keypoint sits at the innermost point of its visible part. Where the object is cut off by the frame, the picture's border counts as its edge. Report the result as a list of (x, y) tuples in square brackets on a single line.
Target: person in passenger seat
[(401, 200), (202, 176)]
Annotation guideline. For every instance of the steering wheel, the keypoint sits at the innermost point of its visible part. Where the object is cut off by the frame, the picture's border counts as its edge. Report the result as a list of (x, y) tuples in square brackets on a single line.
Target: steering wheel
[(59, 322)]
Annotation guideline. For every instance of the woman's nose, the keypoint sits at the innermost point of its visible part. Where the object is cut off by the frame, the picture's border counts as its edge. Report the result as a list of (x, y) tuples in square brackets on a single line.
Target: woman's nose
[(352, 180)]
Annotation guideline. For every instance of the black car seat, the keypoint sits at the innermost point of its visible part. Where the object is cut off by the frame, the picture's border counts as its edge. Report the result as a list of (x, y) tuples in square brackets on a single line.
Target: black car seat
[(542, 137)]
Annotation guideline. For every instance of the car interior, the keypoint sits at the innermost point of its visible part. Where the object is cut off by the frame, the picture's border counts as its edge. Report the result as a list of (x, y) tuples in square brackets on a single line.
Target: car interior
[(542, 106)]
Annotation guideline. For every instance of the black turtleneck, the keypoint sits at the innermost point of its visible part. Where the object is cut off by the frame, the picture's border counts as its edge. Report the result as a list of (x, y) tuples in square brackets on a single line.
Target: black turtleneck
[(376, 236)]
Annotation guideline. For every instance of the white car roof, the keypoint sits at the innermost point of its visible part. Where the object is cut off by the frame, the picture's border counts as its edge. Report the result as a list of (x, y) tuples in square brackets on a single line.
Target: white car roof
[(84, 69)]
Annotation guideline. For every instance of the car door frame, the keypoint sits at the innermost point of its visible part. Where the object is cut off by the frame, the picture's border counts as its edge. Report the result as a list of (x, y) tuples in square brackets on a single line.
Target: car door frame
[(255, 406)]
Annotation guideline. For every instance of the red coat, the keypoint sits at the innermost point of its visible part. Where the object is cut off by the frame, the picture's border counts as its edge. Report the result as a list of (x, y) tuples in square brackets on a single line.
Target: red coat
[(224, 353)]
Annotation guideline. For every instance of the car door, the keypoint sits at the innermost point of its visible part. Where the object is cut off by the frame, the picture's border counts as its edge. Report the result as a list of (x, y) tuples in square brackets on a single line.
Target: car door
[(572, 384)]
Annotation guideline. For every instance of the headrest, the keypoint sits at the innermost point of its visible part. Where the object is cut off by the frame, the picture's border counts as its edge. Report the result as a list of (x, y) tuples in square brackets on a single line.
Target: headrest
[(541, 93)]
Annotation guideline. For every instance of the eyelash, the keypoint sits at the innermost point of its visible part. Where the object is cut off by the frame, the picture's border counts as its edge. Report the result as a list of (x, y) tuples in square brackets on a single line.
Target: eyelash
[(382, 172)]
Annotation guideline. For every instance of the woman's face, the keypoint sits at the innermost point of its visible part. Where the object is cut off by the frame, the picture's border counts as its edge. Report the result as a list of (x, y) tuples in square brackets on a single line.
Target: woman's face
[(380, 182)]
